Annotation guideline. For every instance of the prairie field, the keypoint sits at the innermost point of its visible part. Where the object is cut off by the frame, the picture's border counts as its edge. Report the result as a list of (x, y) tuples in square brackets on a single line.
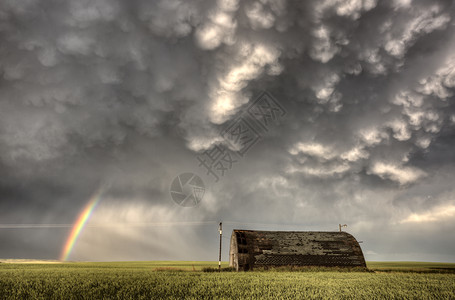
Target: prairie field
[(187, 280)]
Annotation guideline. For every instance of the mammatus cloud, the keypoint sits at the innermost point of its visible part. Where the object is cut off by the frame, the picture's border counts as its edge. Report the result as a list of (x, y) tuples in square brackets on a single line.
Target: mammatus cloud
[(400, 174), (130, 92), (253, 60), (219, 27)]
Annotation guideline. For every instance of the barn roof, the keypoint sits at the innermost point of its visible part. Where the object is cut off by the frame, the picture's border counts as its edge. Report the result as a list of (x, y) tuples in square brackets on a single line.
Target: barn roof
[(251, 248)]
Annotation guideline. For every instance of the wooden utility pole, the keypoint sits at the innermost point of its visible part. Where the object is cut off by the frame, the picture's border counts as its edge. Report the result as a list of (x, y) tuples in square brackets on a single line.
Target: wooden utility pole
[(221, 235)]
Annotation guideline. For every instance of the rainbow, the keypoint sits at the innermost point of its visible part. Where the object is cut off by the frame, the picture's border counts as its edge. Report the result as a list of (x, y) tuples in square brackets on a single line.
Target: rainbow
[(84, 216)]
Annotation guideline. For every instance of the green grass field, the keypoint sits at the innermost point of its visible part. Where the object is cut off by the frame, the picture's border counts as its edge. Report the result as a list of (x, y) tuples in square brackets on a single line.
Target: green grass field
[(185, 280)]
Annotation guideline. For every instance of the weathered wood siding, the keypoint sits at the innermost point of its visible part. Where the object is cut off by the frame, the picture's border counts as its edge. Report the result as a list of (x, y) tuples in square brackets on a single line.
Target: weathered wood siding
[(251, 249)]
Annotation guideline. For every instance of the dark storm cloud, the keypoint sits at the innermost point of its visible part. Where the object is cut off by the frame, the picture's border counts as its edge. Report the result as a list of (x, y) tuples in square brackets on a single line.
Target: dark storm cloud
[(125, 94)]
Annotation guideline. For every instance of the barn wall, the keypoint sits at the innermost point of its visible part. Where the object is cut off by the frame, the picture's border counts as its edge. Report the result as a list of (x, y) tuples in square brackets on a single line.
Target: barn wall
[(233, 252), (281, 248)]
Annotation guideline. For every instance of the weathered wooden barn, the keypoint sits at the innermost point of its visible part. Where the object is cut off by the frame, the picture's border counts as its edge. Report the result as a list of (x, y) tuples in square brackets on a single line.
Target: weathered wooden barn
[(251, 249)]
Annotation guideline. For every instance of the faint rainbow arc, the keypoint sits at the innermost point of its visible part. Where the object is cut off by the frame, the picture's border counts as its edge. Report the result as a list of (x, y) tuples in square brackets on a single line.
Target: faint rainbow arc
[(79, 225)]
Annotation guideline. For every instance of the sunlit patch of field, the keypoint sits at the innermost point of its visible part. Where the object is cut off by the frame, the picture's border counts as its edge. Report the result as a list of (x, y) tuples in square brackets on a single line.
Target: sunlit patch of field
[(29, 261), (411, 266), (185, 280)]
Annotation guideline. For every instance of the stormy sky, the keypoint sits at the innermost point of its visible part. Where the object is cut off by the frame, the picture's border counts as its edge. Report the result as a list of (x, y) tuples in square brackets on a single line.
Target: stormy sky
[(126, 95)]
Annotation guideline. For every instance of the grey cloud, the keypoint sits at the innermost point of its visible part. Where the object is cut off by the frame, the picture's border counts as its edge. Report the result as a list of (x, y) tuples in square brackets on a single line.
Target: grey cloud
[(128, 93)]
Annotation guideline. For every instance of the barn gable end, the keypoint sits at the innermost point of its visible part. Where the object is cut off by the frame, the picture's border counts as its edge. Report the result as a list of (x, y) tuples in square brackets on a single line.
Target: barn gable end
[(250, 249)]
